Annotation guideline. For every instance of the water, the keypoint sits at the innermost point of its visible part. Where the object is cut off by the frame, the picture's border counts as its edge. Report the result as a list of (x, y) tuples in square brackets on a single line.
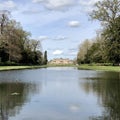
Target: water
[(59, 94)]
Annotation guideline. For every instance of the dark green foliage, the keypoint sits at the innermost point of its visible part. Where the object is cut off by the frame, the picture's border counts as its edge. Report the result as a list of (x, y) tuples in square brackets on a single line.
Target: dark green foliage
[(107, 48), (112, 34), (95, 53), (45, 60), (15, 45)]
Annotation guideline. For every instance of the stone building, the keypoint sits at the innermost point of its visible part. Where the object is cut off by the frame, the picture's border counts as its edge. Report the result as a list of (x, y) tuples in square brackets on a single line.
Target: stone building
[(61, 61)]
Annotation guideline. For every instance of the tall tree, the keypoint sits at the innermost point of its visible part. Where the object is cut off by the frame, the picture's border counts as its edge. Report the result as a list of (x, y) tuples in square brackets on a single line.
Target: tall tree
[(83, 50), (4, 19), (45, 60), (112, 35), (108, 13), (15, 44)]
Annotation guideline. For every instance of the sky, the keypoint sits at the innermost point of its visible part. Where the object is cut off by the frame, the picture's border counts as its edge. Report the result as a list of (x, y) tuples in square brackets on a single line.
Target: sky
[(60, 25)]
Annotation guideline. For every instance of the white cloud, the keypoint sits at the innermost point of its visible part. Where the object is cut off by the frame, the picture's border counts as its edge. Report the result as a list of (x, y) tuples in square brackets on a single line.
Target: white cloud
[(37, 1), (74, 23), (59, 4), (56, 4), (73, 49), (8, 5), (60, 37), (87, 5), (30, 12), (42, 38), (73, 53), (57, 52)]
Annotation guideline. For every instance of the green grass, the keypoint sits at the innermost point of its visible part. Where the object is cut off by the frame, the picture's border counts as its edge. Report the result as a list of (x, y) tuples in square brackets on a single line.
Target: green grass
[(5, 68), (84, 66), (63, 65), (103, 68)]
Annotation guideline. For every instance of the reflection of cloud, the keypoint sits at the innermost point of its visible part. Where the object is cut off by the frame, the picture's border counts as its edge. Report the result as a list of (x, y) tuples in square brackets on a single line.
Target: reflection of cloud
[(57, 52), (8, 5), (13, 95), (74, 23), (74, 107)]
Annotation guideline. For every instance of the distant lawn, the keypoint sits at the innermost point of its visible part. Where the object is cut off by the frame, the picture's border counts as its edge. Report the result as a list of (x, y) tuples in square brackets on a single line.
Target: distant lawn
[(95, 67), (61, 65), (84, 66), (5, 68)]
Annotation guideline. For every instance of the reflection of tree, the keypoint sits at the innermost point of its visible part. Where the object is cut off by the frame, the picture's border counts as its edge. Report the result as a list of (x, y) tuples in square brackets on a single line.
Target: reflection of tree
[(107, 87), (10, 103)]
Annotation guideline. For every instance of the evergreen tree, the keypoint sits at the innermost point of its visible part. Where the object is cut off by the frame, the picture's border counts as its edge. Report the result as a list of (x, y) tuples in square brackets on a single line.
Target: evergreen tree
[(45, 60)]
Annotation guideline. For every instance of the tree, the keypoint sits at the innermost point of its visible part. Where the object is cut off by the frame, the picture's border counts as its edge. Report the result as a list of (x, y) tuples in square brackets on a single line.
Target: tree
[(31, 53), (83, 49), (35, 44), (45, 60), (108, 13), (112, 41), (4, 19), (15, 44)]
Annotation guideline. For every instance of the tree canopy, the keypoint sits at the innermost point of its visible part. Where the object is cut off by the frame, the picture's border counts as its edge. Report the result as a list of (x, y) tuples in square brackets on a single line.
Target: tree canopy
[(15, 43), (107, 48)]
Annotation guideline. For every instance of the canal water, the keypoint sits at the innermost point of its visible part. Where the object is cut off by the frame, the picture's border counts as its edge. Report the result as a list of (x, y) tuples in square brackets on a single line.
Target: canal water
[(59, 93)]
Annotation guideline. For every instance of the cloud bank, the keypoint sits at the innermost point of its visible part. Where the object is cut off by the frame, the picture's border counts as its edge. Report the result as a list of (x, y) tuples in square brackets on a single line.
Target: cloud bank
[(56, 4), (8, 5), (86, 5)]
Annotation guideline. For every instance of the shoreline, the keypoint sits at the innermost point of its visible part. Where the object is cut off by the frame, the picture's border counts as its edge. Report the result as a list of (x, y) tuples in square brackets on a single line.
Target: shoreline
[(9, 68), (79, 67), (100, 68)]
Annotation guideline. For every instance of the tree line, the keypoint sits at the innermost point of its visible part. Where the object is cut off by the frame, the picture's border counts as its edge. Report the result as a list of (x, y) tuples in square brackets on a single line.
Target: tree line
[(105, 48), (16, 46)]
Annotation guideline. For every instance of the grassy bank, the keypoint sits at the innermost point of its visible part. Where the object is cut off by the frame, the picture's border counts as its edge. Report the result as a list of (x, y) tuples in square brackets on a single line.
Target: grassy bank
[(5, 68), (103, 68), (64, 65), (81, 67)]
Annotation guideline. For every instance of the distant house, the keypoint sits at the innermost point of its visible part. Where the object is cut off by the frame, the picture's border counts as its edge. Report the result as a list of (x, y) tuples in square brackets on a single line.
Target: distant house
[(60, 61)]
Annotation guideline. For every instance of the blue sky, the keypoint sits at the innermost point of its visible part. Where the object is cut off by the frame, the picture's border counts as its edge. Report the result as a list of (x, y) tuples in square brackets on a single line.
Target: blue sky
[(60, 25)]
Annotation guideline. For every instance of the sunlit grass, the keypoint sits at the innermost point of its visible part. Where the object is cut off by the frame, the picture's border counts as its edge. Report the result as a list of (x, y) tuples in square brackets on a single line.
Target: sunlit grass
[(95, 67), (85, 67), (3, 68)]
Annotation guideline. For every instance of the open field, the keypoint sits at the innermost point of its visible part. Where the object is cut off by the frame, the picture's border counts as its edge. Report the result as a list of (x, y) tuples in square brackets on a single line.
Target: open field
[(95, 67)]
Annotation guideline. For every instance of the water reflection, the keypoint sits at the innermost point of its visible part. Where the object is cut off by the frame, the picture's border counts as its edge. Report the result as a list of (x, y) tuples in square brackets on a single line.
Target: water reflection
[(106, 86), (13, 96), (59, 94)]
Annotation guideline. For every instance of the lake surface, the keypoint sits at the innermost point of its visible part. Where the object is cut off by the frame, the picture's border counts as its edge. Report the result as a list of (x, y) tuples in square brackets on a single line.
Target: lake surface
[(59, 94)]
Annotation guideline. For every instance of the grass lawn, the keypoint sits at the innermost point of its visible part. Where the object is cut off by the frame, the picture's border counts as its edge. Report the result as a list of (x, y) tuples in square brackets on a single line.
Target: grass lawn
[(95, 67), (84, 66), (4, 68)]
